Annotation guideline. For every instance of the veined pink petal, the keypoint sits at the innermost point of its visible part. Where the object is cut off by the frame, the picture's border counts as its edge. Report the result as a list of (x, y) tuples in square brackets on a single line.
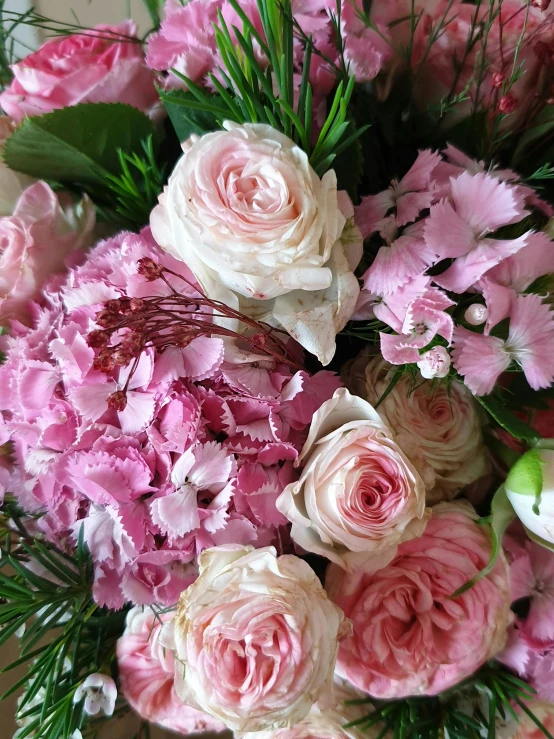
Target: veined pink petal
[(396, 351), (371, 211), (202, 357), (446, 233), (395, 265), (499, 303), (531, 339), (485, 203), (479, 359), (176, 514), (519, 270), (419, 176)]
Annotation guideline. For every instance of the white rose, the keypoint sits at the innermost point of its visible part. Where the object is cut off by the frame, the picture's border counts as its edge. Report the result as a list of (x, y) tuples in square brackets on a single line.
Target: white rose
[(255, 639), (438, 427), (358, 496), (263, 233), (12, 183)]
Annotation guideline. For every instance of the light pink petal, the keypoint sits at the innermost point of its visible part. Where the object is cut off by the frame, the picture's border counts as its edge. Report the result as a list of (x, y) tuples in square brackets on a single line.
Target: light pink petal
[(419, 176), (531, 339), (479, 359), (397, 264), (446, 234), (138, 412), (213, 466), (499, 303), (516, 654), (410, 205), (236, 531), (36, 385), (142, 376), (393, 309), (254, 380), (395, 350), (519, 270), (169, 366), (176, 514), (371, 211), (203, 357), (485, 203), (92, 400), (182, 468)]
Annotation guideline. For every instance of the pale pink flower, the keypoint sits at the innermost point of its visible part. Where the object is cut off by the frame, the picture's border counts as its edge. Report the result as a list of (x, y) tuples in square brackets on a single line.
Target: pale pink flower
[(458, 228), (407, 197), (366, 49), (425, 318), (520, 270), (481, 358), (358, 496), (104, 65), (438, 428), (99, 693), (410, 637), (434, 363), (146, 674), (250, 615), (34, 243)]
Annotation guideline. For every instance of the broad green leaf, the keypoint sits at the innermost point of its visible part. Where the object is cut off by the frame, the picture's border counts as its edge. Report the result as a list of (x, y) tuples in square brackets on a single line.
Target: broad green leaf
[(188, 120), (505, 418), (77, 144), (502, 514)]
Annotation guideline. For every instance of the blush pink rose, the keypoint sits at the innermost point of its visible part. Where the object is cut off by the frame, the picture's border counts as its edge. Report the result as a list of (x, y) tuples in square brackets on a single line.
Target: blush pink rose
[(358, 496), (146, 672), (410, 637), (35, 242), (255, 639), (104, 65)]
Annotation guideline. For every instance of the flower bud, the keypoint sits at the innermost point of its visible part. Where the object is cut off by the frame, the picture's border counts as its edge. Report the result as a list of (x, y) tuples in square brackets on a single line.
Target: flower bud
[(530, 490), (434, 363), (498, 79), (507, 103), (476, 314)]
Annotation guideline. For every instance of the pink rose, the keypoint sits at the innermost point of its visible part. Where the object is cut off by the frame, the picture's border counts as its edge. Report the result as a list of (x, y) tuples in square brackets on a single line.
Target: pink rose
[(409, 636), (146, 676), (438, 428), (84, 68), (35, 242), (255, 639), (358, 496)]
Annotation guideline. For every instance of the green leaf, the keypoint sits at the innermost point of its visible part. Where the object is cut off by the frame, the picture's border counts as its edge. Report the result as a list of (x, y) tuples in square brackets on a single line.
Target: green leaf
[(78, 144), (186, 120), (543, 125), (154, 8), (502, 514), (505, 418)]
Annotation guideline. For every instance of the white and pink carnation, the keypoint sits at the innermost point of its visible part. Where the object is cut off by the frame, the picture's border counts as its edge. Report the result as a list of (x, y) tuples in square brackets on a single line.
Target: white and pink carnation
[(196, 457)]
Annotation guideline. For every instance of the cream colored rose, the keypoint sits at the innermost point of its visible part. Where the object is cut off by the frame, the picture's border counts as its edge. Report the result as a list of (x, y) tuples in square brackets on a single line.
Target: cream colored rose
[(255, 639), (12, 183), (438, 427), (358, 496), (263, 233)]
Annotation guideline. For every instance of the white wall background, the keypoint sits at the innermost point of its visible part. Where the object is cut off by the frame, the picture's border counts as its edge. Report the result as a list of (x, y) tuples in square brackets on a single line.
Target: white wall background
[(91, 12)]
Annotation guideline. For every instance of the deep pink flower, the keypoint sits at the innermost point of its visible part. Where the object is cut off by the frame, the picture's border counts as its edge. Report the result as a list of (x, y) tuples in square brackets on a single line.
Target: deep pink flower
[(410, 636), (146, 674), (104, 65)]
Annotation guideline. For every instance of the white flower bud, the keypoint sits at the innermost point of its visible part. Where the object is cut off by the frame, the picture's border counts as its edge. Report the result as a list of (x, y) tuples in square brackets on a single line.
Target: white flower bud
[(476, 314), (434, 363)]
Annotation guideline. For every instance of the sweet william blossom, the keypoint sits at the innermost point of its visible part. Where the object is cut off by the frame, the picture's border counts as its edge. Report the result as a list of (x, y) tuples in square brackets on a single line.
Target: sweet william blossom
[(263, 233), (410, 637), (255, 639), (358, 496)]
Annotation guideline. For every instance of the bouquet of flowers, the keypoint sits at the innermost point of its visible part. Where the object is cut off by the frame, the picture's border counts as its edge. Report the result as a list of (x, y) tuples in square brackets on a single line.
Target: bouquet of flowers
[(276, 389)]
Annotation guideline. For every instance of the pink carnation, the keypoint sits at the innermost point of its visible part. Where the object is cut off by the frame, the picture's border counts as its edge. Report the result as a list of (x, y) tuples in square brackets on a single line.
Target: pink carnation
[(104, 65), (146, 674), (409, 636), (197, 457)]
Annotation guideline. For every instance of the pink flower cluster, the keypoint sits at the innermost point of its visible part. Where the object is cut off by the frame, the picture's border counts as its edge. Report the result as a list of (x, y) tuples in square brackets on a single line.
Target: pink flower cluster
[(530, 648), (197, 457), (186, 40), (448, 214)]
